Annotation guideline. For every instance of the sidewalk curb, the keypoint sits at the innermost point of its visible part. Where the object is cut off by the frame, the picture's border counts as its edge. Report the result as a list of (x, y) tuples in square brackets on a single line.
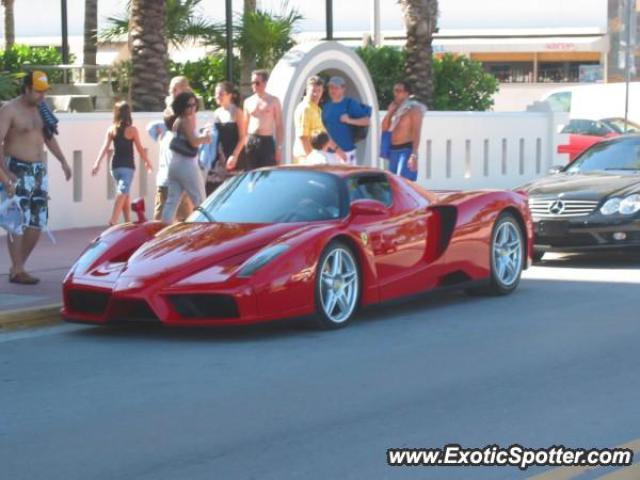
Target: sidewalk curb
[(31, 317)]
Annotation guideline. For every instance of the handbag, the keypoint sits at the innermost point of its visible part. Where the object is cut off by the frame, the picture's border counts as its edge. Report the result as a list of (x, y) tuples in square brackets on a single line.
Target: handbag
[(181, 145), (385, 144)]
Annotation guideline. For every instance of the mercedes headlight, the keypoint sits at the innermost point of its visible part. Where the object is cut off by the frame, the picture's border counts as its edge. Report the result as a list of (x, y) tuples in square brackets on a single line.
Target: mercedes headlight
[(630, 204), (611, 206), (261, 258)]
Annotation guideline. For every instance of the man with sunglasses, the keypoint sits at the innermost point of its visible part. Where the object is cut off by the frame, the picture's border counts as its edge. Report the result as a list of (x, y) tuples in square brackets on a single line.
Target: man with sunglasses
[(404, 121), (263, 124)]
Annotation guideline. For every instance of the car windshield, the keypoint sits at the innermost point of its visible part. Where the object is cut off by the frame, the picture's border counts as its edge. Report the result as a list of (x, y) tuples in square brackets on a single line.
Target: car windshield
[(617, 124), (617, 155), (274, 196)]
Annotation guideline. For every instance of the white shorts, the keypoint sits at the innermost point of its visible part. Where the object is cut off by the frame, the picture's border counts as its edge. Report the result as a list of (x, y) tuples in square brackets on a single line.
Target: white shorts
[(334, 159)]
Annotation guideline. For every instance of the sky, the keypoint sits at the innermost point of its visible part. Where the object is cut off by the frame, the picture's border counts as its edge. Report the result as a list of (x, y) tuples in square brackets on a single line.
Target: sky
[(349, 15)]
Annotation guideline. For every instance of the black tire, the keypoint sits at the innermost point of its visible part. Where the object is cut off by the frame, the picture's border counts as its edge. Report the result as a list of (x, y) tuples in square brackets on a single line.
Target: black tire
[(496, 284), (333, 320), (537, 255)]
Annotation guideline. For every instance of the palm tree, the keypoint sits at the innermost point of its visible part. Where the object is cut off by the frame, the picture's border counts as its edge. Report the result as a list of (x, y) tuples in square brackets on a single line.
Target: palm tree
[(421, 19), (262, 37), (90, 40), (247, 62), (149, 57), (183, 23), (9, 24)]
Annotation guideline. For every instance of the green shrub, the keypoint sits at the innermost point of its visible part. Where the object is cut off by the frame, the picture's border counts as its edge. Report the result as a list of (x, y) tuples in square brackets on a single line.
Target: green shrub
[(204, 74), (19, 57), (386, 67), (462, 84), (459, 82), (9, 85)]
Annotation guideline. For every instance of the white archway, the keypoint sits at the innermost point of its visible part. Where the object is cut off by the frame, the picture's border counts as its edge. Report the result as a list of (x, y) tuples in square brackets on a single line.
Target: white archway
[(288, 80)]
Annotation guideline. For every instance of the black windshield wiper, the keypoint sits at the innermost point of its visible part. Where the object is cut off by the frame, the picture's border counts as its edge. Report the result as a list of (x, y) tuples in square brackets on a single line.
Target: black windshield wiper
[(205, 213)]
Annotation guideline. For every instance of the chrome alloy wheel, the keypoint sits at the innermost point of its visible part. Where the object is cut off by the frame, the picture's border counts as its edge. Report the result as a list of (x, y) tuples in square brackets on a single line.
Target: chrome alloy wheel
[(507, 253), (339, 285)]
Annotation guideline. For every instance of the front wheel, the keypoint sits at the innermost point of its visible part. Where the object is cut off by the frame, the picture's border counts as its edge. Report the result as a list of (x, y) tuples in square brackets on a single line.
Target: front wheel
[(337, 286)]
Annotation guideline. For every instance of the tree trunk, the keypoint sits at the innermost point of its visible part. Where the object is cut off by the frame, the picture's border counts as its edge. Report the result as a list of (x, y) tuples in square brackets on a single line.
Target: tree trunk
[(421, 19), (9, 24), (149, 56), (90, 39), (248, 63)]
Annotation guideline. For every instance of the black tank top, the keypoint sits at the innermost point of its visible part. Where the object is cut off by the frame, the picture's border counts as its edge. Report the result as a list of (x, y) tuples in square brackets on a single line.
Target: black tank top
[(122, 150), (228, 135)]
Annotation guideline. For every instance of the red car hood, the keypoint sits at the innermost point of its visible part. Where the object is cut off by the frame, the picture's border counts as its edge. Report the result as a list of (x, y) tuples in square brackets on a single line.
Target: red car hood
[(189, 247)]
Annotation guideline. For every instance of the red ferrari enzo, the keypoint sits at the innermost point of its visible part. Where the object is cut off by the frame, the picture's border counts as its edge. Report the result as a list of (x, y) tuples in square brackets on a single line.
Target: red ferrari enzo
[(293, 241)]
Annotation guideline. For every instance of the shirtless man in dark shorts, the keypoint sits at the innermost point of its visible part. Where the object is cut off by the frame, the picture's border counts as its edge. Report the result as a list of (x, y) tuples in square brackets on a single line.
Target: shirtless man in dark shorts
[(22, 141), (404, 120), (263, 124)]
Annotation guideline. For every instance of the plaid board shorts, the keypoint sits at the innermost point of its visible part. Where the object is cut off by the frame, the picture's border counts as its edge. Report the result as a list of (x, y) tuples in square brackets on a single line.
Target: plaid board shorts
[(32, 188)]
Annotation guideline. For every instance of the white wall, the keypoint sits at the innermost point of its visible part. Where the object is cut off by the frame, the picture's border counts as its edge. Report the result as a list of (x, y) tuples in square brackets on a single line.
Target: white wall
[(476, 150), (459, 150)]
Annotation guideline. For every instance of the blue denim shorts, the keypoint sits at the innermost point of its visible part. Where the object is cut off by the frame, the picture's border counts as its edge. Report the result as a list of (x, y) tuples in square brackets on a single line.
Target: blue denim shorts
[(123, 177)]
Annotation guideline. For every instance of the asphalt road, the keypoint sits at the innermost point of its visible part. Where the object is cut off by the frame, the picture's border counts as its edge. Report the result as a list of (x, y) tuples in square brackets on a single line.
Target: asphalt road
[(555, 363)]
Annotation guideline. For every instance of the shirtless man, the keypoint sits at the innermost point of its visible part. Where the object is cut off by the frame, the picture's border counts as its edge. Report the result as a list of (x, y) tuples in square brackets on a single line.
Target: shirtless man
[(404, 120), (263, 121), (22, 141)]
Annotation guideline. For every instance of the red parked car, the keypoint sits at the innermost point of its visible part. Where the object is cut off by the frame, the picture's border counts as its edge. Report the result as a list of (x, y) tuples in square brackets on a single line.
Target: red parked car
[(292, 241), (583, 133)]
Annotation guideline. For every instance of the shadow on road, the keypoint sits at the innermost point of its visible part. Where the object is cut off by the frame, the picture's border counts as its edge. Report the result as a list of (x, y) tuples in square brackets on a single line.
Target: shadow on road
[(428, 304), (623, 260)]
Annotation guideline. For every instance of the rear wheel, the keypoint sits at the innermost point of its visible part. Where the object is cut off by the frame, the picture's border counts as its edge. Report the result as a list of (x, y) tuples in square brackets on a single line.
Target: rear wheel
[(507, 254), (337, 286)]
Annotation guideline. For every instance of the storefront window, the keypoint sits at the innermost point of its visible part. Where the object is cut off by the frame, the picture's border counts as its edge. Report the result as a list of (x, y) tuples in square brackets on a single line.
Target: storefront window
[(513, 72)]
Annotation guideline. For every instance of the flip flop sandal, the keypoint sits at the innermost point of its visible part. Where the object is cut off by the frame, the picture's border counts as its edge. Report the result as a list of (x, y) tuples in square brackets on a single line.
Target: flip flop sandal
[(23, 279)]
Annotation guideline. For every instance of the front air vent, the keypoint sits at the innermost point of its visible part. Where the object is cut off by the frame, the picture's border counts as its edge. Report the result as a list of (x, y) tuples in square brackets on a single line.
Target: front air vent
[(87, 302), (203, 306)]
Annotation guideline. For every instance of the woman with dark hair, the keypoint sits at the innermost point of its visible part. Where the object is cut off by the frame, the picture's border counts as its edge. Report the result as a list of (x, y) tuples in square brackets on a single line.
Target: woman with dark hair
[(124, 136), (228, 119), (184, 172)]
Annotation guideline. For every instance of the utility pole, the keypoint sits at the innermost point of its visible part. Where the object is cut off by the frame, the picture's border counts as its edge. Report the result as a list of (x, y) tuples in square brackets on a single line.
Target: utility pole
[(229, 39), (627, 62), (375, 23), (329, 19), (65, 32)]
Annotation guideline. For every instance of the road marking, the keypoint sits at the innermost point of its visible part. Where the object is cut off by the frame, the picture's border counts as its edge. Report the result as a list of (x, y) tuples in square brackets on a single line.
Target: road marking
[(38, 332), (628, 473), (568, 473)]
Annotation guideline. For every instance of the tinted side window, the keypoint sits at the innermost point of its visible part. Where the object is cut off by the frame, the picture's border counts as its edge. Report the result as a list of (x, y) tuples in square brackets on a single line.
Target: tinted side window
[(370, 187)]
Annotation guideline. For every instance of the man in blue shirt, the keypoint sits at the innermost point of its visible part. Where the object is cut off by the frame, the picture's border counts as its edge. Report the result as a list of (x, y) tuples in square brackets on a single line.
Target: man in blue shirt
[(339, 115)]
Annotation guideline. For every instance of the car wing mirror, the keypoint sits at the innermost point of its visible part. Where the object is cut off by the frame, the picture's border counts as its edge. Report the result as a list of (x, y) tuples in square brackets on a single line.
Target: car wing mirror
[(367, 207), (556, 169)]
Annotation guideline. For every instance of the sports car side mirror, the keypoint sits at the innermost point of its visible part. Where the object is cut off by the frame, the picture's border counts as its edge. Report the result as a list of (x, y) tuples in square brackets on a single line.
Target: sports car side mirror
[(367, 207), (138, 207), (555, 169)]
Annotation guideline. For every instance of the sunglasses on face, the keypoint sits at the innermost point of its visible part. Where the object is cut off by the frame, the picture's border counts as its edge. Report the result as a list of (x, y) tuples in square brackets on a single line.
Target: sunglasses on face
[(256, 82), (192, 104)]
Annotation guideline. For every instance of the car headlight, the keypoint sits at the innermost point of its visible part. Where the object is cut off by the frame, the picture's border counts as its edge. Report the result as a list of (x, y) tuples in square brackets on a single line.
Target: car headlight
[(630, 205), (611, 206), (90, 255), (261, 258)]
